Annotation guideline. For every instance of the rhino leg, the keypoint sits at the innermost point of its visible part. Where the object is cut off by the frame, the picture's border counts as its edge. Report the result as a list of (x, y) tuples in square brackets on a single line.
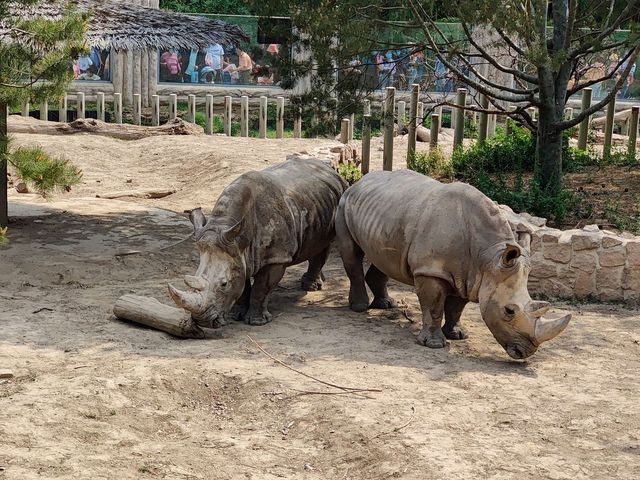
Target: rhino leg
[(352, 256), (312, 280), (240, 309), (377, 282), (453, 307), (432, 293), (263, 284)]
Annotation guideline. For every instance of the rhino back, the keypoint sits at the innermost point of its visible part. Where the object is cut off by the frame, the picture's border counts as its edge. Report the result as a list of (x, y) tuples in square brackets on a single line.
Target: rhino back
[(289, 210), (408, 224)]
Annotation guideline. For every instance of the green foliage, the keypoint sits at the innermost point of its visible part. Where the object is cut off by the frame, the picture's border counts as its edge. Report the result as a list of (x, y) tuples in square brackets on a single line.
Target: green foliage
[(349, 172), (622, 221), (432, 163), (231, 7), (44, 172), (3, 235)]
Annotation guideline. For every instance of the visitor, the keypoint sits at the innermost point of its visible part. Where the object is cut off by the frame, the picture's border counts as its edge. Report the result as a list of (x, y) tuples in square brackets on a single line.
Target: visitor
[(170, 66), (192, 69), (215, 61), (84, 63), (416, 69), (245, 66), (230, 73), (624, 91)]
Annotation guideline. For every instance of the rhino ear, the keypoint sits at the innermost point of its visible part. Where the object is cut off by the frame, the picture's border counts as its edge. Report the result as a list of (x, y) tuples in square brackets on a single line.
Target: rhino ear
[(510, 255), (197, 219), (231, 234)]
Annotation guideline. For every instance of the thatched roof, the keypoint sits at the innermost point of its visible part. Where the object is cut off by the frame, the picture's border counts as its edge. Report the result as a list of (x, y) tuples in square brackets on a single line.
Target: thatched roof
[(124, 26)]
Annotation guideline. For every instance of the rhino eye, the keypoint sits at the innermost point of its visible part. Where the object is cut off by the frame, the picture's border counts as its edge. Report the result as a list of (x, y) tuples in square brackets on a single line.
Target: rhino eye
[(509, 312), (224, 284)]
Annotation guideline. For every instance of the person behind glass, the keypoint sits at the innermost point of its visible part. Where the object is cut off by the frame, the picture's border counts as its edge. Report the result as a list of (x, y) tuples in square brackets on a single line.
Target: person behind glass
[(624, 91), (214, 60), (170, 66), (245, 66)]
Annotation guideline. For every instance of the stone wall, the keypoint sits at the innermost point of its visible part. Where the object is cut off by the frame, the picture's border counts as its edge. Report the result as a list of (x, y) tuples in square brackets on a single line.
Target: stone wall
[(582, 264)]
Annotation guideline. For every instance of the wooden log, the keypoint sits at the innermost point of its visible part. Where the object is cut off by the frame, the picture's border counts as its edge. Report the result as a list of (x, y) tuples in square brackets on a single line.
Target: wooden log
[(461, 101), (366, 143), (117, 107), (352, 120), (127, 90), (433, 134), (263, 118), (191, 115), (297, 123), (173, 106), (100, 106), (90, 125), (244, 116), (584, 125), (117, 71), (492, 125), (608, 128), (137, 72), (25, 108), (413, 121), (137, 194), (150, 312), (228, 114), (144, 77), (600, 121), (155, 110), (344, 130), (208, 115), (137, 109), (62, 109), (633, 130), (81, 106), (389, 110), (280, 117), (44, 110)]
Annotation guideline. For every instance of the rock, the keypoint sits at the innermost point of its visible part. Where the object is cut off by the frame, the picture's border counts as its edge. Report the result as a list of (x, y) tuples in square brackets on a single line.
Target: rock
[(585, 261), (551, 236), (6, 373), (586, 240), (585, 285), (543, 269), (611, 241), (633, 253), (557, 252), (609, 279), (22, 187), (536, 244), (631, 279), (613, 257), (591, 228)]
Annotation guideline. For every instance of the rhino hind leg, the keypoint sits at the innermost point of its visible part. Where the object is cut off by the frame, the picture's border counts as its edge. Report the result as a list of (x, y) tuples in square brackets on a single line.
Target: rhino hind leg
[(453, 307), (313, 279), (432, 293), (377, 282), (263, 284), (352, 256), (240, 309)]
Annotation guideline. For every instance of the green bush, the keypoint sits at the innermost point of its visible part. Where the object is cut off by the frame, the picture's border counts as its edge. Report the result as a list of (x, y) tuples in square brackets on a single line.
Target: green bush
[(45, 173), (432, 163), (349, 172)]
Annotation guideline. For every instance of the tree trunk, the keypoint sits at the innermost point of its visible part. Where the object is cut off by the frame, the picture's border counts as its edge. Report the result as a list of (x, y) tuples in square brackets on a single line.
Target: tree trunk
[(4, 140), (548, 169)]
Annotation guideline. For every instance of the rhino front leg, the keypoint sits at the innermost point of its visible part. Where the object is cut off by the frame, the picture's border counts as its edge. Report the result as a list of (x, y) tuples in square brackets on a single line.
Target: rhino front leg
[(312, 280), (240, 309), (377, 282), (352, 256), (453, 307), (432, 293), (263, 284)]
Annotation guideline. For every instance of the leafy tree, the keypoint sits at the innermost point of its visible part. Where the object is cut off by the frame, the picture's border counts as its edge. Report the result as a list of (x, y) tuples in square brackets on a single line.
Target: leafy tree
[(36, 55), (222, 7)]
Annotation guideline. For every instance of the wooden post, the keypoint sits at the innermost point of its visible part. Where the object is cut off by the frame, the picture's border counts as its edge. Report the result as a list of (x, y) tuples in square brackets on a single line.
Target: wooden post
[(389, 111), (402, 115), (117, 107), (461, 101), (568, 113), (366, 143), (344, 130), (44, 110), (63, 108), (484, 120), (137, 109), (492, 125), (509, 121), (25, 108), (173, 106), (352, 119), (297, 123), (100, 110), (280, 117), (367, 107), (584, 125), (413, 120), (633, 130), (208, 113), (191, 115), (608, 128), (263, 118), (80, 105), (155, 110), (532, 113), (435, 121), (420, 113), (228, 111), (438, 111), (244, 116)]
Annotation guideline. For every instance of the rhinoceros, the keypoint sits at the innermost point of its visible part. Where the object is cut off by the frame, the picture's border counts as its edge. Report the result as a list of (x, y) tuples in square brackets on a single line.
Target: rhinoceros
[(262, 223), (454, 245)]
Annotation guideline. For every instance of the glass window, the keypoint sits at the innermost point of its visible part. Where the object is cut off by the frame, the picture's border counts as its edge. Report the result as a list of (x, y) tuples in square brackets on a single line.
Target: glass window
[(94, 66)]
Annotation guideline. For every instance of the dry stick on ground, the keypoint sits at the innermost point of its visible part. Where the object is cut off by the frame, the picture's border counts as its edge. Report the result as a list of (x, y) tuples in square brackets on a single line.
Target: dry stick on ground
[(397, 429), (329, 384)]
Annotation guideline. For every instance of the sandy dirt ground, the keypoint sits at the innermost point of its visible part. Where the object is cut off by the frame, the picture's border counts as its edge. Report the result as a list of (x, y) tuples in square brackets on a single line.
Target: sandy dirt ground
[(94, 397)]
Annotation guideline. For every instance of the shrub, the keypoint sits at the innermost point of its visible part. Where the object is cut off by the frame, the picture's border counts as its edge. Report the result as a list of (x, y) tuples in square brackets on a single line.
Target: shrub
[(432, 163), (45, 173), (349, 172)]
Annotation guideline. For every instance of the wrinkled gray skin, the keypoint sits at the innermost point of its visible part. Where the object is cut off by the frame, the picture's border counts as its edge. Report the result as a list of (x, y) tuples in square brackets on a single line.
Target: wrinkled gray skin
[(454, 245), (262, 223)]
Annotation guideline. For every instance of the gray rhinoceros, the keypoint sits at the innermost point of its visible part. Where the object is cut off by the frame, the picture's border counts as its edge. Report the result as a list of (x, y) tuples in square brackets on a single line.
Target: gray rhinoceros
[(453, 244), (262, 223)]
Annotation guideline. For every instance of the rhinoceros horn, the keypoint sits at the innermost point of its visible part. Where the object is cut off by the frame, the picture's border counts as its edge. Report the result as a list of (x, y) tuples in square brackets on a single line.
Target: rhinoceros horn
[(548, 329), (191, 301)]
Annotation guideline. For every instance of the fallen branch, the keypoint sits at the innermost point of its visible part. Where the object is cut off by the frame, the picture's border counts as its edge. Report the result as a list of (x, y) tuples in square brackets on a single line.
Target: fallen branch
[(329, 384), (397, 429), (137, 194)]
